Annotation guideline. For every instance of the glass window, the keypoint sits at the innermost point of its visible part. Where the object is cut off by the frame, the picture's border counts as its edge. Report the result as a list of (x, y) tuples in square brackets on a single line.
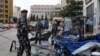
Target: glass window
[(1, 15), (1, 6), (6, 16), (6, 6), (1, 21), (1, 10), (57, 8), (6, 11), (6, 1)]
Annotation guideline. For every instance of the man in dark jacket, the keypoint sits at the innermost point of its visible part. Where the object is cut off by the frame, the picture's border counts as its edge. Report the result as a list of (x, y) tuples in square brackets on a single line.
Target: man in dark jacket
[(22, 34), (54, 28), (80, 24), (38, 29)]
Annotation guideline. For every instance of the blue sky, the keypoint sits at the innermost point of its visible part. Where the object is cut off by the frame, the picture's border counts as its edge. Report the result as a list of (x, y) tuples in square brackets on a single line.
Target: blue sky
[(25, 4)]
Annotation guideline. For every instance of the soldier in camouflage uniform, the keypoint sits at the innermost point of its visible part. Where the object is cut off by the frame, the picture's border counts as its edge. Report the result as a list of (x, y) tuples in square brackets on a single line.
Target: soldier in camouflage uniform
[(22, 34), (38, 29)]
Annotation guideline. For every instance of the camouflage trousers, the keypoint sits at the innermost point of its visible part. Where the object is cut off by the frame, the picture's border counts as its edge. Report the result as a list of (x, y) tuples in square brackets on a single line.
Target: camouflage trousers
[(24, 44)]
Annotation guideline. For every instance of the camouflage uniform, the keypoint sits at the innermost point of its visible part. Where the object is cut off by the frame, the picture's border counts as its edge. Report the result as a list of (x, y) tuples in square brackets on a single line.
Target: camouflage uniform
[(22, 34), (38, 29)]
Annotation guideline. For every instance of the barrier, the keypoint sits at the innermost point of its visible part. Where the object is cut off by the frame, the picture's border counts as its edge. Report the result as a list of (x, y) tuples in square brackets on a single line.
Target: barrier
[(7, 25)]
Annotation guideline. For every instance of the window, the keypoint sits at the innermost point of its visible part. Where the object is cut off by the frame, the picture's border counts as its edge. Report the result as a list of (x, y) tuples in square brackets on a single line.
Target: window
[(6, 16), (6, 6), (1, 15), (1, 0), (1, 21), (6, 11), (1, 10), (1, 6), (6, 21), (6, 1), (57, 8), (90, 15)]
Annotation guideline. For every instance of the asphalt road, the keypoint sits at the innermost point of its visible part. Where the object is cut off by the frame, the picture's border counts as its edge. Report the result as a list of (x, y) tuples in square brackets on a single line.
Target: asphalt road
[(6, 38)]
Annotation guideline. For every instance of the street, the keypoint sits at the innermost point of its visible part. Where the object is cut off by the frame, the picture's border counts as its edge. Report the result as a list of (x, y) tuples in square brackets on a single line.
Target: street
[(6, 38), (54, 27), (5, 43)]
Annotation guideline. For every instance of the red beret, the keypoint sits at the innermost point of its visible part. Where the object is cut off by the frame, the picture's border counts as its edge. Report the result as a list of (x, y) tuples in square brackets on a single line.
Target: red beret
[(24, 11)]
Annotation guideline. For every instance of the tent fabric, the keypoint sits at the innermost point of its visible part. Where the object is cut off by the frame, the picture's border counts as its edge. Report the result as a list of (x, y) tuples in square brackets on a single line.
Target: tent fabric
[(44, 46), (72, 46), (65, 33)]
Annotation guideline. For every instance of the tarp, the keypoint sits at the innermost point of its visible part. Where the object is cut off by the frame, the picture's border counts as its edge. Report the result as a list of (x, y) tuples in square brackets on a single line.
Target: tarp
[(65, 33), (72, 46)]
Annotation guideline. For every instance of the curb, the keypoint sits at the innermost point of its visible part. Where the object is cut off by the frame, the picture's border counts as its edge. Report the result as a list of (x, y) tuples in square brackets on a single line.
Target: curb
[(3, 30)]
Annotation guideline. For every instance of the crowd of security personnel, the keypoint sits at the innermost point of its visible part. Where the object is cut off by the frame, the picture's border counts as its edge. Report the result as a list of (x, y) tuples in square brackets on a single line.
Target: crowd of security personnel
[(23, 30)]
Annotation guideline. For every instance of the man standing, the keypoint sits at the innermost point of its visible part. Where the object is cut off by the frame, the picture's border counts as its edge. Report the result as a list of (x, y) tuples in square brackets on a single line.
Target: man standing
[(22, 34), (80, 25), (38, 29), (54, 31)]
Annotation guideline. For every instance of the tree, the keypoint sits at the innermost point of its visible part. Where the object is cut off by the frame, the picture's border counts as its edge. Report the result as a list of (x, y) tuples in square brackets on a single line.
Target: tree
[(63, 13), (73, 9)]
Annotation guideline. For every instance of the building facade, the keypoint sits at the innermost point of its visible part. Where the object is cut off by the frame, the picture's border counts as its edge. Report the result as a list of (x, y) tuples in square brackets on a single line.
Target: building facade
[(92, 11), (44, 10), (63, 3), (16, 11), (6, 10)]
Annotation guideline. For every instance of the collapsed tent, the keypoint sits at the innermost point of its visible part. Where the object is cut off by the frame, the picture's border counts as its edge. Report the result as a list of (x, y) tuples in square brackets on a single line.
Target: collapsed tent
[(81, 45)]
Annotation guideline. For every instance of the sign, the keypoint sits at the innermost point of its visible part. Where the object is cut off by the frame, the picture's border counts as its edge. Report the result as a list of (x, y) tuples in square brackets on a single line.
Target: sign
[(87, 1)]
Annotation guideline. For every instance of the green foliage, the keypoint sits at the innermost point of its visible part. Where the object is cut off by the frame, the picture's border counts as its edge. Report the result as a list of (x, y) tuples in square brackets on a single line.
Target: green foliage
[(74, 8)]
